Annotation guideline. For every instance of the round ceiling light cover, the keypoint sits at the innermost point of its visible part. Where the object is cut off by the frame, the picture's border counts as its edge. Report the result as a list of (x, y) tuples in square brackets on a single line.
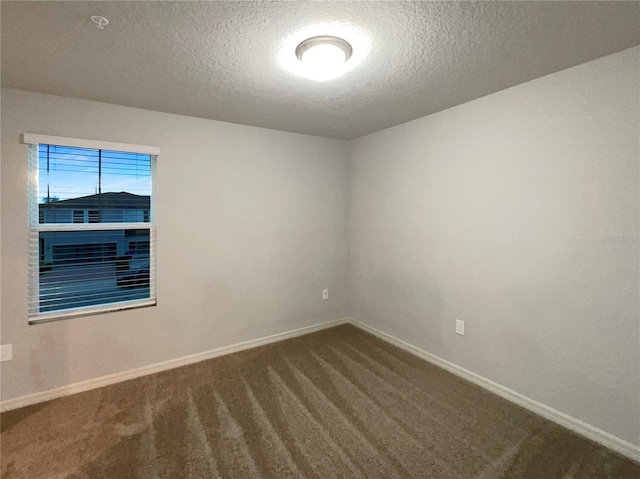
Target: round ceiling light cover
[(324, 49)]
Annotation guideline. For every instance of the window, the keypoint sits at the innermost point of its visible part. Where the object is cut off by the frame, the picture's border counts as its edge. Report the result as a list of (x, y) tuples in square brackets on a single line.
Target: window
[(139, 248), (87, 201)]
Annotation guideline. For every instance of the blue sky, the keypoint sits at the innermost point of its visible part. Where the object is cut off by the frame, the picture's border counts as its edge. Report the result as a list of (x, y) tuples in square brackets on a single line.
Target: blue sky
[(73, 172)]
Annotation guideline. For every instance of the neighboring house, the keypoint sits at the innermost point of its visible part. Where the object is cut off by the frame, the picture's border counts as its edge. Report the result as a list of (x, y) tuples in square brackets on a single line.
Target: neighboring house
[(94, 246)]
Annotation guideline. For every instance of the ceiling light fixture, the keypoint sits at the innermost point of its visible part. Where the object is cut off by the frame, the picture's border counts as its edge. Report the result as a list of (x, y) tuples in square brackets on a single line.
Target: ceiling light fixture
[(324, 51), (324, 56)]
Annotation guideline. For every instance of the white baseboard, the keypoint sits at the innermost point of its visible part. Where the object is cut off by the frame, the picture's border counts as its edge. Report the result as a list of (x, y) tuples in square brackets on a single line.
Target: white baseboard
[(107, 380), (591, 432)]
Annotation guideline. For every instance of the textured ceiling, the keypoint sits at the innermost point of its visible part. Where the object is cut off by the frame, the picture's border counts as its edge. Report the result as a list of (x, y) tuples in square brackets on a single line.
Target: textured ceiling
[(223, 60)]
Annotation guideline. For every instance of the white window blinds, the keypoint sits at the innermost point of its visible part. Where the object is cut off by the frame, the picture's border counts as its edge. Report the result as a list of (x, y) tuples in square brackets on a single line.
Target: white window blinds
[(92, 234)]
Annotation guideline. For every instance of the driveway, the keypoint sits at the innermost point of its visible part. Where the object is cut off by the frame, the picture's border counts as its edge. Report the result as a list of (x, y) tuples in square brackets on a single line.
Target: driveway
[(74, 286)]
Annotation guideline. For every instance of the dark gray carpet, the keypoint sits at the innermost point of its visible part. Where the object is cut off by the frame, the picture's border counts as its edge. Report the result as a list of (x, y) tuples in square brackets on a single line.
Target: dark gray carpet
[(338, 403)]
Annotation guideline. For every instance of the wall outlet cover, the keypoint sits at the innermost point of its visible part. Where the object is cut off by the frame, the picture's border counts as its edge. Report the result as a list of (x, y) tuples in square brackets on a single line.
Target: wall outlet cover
[(325, 294), (460, 327)]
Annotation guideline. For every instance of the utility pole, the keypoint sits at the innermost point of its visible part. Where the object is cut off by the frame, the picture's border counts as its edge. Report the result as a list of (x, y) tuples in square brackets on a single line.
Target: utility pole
[(99, 172), (48, 195), (100, 185)]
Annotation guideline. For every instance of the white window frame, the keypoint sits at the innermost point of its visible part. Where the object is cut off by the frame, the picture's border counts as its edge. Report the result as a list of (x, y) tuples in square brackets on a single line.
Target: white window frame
[(35, 227)]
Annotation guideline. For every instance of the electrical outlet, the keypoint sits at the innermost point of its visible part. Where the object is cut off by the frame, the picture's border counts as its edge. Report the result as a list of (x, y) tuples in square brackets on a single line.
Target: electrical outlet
[(460, 327), (325, 294), (6, 352)]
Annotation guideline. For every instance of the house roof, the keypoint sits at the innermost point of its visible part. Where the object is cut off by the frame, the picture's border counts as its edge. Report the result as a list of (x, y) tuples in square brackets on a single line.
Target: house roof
[(121, 200)]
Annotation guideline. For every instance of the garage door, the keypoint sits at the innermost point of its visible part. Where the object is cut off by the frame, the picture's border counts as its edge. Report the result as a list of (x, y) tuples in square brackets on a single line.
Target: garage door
[(84, 253)]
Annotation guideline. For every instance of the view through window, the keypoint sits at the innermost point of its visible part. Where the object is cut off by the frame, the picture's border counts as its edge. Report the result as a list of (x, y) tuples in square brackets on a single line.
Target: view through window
[(91, 227)]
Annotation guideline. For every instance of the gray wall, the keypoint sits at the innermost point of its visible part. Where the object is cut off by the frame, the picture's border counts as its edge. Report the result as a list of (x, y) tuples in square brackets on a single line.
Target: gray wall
[(251, 228), (498, 212)]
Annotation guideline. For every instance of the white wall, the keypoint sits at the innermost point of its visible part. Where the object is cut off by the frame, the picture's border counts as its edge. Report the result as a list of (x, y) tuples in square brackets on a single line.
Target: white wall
[(251, 228), (494, 212)]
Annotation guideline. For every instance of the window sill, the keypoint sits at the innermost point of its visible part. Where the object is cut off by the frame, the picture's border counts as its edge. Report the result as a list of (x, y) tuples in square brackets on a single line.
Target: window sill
[(90, 311)]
